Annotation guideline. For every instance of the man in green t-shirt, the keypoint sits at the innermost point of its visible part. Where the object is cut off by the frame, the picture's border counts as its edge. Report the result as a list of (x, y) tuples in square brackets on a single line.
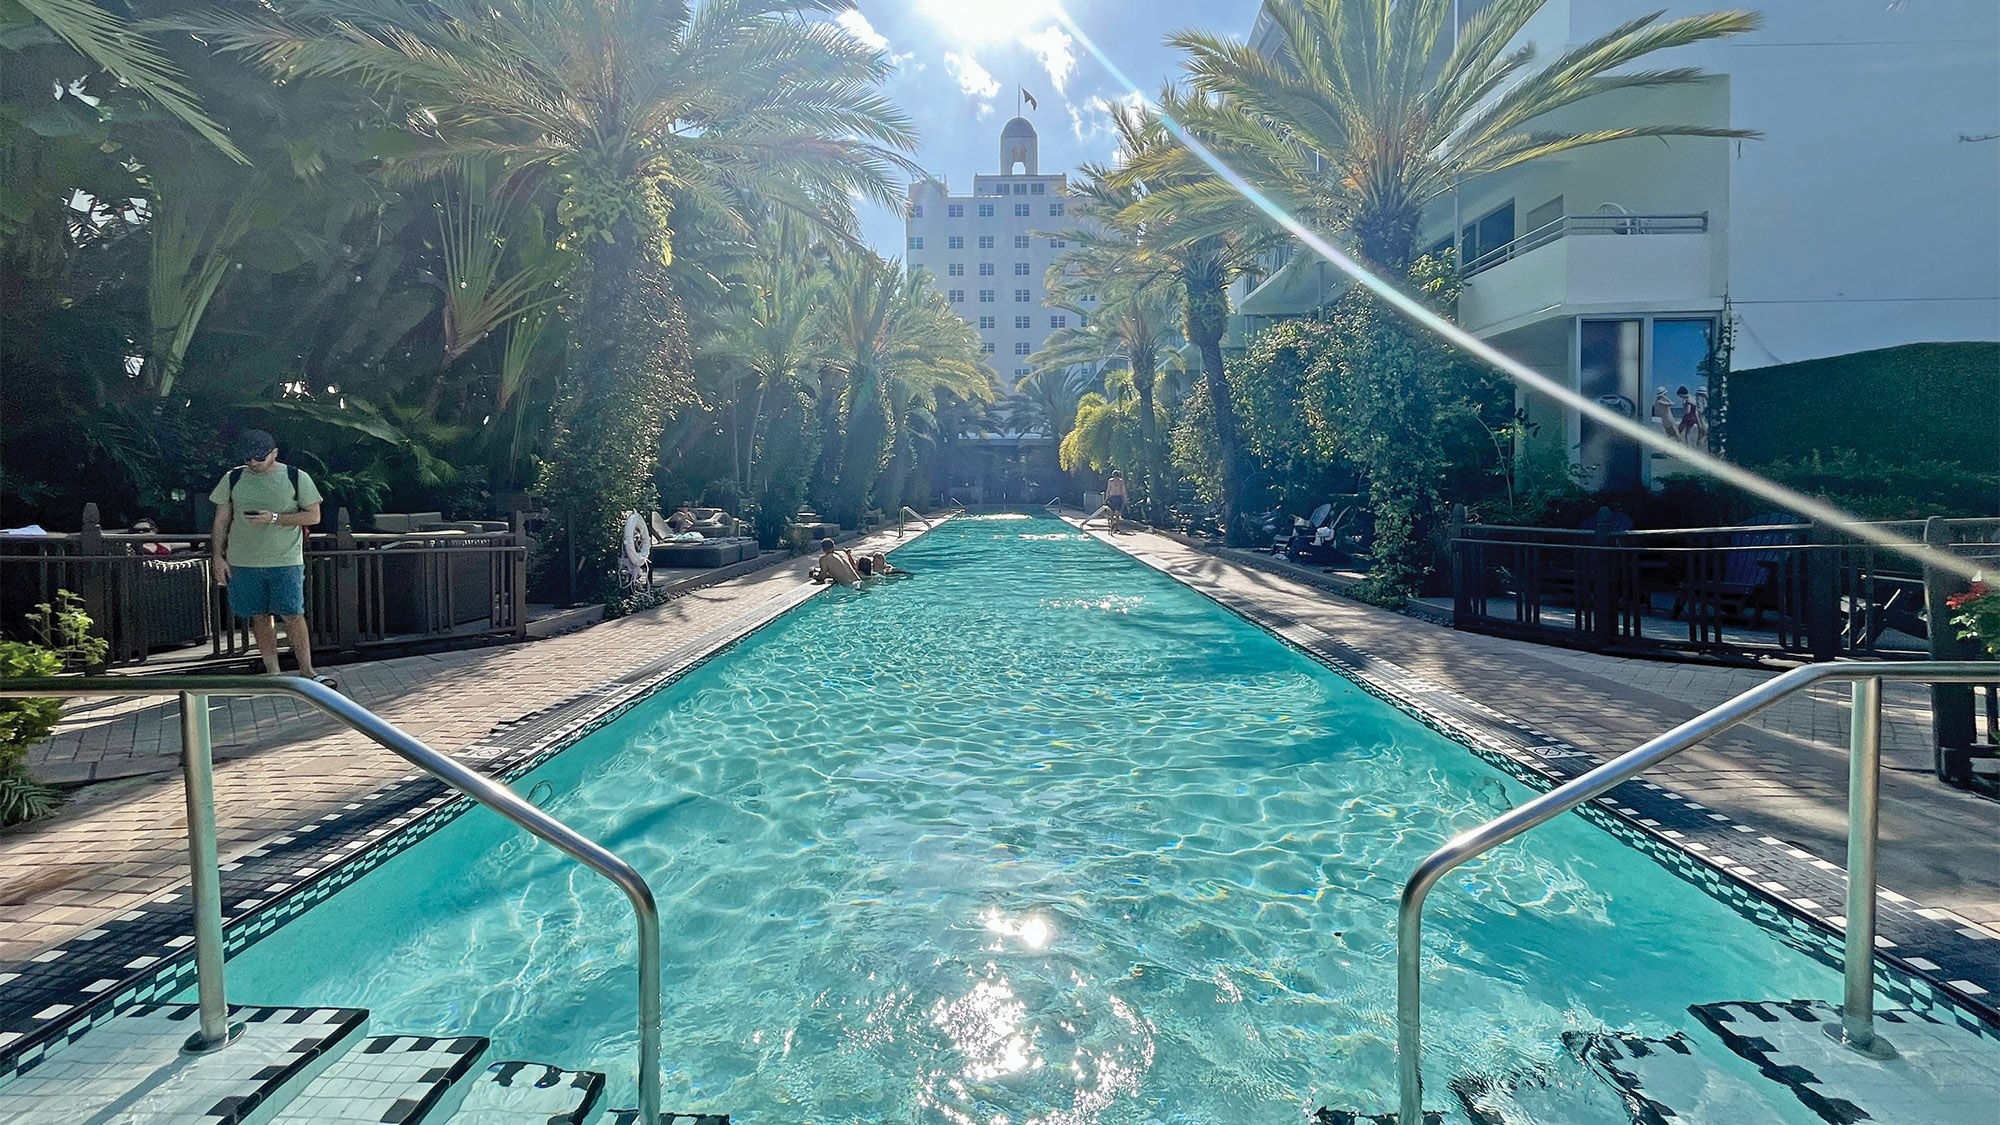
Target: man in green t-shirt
[(261, 513)]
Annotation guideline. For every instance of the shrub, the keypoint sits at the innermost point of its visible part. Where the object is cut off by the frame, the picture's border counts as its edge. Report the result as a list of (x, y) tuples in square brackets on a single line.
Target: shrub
[(1914, 402), (1881, 487), (24, 722)]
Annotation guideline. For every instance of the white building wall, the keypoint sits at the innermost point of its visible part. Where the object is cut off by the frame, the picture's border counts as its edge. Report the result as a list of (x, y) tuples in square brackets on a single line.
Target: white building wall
[(1868, 213), (947, 231)]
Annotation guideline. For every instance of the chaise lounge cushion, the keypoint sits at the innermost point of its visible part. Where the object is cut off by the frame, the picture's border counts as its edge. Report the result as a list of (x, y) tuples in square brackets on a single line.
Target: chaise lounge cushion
[(707, 554)]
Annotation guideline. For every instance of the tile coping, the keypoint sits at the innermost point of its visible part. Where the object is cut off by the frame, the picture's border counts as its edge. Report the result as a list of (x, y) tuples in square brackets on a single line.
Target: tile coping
[(1926, 959)]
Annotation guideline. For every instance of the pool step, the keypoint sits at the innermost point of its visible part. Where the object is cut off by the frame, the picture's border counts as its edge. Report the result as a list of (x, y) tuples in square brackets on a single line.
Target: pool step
[(523, 1093), (1943, 1069), (1668, 1081), (129, 1070), (390, 1080), (1559, 1094)]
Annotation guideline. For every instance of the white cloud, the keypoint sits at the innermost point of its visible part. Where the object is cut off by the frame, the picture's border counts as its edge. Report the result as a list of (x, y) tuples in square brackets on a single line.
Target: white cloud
[(1053, 46), (1094, 119), (972, 78), (858, 26)]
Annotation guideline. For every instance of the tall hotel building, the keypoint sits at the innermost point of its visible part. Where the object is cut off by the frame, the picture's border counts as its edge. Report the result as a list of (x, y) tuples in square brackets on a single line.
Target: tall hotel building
[(989, 252)]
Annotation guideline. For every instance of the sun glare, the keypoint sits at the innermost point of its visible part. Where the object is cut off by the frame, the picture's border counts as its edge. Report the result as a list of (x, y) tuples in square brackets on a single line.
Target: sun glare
[(990, 21)]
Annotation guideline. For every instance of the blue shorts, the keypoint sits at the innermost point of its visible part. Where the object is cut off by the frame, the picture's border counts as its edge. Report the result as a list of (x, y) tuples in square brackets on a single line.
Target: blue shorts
[(276, 590)]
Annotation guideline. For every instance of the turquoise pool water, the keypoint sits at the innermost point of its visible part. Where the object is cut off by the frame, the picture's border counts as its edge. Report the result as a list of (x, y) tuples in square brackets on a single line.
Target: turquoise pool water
[(1034, 836)]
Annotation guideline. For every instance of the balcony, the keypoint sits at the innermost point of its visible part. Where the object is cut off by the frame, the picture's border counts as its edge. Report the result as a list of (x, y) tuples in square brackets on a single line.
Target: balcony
[(1592, 263)]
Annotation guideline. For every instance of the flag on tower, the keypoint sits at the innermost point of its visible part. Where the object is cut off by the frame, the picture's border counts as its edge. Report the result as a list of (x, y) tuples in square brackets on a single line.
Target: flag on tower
[(1029, 98)]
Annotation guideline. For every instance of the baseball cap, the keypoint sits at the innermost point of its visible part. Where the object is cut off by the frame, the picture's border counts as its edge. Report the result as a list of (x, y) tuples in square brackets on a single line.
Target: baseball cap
[(255, 445)]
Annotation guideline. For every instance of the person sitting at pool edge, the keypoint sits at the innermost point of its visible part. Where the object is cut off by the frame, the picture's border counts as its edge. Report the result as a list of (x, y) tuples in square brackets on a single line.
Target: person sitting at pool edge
[(835, 566)]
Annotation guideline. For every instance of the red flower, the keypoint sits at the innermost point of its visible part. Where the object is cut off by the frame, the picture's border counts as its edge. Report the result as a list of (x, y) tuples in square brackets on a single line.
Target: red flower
[(1960, 601)]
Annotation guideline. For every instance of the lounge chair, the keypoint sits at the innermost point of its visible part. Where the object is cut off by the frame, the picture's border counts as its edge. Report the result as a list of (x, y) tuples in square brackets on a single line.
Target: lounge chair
[(1749, 581)]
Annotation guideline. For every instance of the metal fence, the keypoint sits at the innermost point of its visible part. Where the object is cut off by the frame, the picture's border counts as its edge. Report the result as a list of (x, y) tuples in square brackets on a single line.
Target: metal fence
[(1739, 594), (363, 590)]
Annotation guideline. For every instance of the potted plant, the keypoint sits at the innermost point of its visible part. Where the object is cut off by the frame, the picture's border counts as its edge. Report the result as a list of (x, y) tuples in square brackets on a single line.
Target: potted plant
[(1977, 615)]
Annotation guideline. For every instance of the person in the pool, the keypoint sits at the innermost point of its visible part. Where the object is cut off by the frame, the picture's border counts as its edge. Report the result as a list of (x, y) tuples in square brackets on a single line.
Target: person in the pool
[(877, 566), (835, 565)]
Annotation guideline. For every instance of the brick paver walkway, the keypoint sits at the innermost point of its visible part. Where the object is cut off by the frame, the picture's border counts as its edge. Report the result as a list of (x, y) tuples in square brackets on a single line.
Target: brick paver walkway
[(1939, 846), (121, 843)]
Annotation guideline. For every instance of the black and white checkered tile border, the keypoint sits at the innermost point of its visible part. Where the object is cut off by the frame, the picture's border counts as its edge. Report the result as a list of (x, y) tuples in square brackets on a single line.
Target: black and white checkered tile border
[(1926, 960), (145, 955)]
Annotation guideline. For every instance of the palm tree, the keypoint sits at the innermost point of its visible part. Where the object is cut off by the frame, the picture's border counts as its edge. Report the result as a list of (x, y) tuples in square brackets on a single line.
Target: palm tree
[(776, 329), (1050, 395), (899, 346), (1356, 123), (120, 49), (1125, 316), (635, 109), (1202, 263)]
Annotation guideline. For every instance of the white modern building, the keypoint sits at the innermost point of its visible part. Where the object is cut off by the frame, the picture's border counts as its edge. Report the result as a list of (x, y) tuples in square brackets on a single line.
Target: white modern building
[(989, 252), (1866, 215)]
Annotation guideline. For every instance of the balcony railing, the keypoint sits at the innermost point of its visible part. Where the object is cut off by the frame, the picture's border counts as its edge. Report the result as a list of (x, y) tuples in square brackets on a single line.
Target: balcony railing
[(1586, 224)]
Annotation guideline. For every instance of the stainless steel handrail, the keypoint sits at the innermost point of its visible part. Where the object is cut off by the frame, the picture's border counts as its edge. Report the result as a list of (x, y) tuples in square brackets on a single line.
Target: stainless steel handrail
[(194, 692), (1856, 1028)]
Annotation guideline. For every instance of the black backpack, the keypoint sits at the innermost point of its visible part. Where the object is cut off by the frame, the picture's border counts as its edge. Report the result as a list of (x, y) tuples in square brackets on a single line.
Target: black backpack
[(291, 472)]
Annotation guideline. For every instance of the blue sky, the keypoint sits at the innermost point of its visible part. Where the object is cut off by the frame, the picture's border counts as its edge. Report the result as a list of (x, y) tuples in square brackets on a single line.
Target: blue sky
[(959, 62)]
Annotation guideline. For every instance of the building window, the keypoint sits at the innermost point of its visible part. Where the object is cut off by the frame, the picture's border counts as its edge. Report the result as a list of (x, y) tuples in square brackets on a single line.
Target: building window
[(1488, 233), (987, 348), (1021, 269), (1039, 189), (1058, 322), (954, 210), (1021, 210), (1057, 244), (956, 269), (986, 269), (986, 322), (916, 242), (958, 296), (986, 210), (1023, 295), (986, 296), (1020, 189), (1022, 371), (986, 242), (1021, 347), (1024, 322), (954, 242), (916, 211), (1021, 241)]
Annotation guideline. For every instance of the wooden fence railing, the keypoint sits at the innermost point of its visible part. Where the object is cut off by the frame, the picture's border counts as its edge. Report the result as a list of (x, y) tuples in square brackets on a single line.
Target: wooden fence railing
[(363, 589)]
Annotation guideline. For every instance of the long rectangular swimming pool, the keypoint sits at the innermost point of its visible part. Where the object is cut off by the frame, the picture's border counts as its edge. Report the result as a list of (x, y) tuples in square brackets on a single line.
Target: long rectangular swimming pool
[(1034, 835)]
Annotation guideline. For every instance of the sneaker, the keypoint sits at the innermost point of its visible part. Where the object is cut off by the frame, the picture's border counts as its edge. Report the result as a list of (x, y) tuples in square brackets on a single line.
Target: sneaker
[(327, 682)]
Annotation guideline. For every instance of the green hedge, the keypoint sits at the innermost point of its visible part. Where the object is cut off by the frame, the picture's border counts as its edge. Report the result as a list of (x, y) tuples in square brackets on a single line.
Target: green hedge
[(1912, 403)]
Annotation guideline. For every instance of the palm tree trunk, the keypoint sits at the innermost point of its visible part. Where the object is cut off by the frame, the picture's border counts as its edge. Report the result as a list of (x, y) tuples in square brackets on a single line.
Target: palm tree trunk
[(1153, 479), (629, 363), (1207, 319)]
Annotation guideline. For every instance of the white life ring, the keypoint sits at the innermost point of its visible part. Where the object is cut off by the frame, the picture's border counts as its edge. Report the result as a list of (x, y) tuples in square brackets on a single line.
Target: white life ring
[(636, 542)]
